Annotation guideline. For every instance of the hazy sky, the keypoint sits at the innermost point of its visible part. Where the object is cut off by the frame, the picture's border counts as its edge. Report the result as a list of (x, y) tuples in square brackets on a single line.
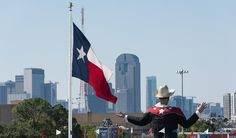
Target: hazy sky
[(166, 35)]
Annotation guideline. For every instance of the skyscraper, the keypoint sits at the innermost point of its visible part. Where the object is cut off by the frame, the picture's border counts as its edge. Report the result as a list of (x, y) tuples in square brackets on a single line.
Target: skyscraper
[(188, 106), (95, 104), (3, 94), (151, 86), (110, 106), (233, 104), (34, 82), (50, 92), (11, 86), (19, 80), (18, 94), (213, 109), (127, 83), (5, 89), (175, 101), (227, 105)]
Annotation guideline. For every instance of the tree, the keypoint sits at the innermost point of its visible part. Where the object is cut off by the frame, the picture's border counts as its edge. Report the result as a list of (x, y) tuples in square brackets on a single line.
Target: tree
[(201, 126), (60, 115), (1, 130), (36, 116)]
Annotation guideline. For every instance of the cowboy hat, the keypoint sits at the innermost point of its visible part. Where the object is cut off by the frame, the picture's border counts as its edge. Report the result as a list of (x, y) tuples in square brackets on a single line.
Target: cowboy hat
[(164, 92)]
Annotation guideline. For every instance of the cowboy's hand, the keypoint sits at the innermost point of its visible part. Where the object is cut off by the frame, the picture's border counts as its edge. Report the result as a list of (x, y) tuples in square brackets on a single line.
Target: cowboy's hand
[(202, 107), (120, 114)]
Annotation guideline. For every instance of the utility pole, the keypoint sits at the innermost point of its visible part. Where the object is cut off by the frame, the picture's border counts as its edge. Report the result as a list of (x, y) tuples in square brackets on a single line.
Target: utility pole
[(182, 72)]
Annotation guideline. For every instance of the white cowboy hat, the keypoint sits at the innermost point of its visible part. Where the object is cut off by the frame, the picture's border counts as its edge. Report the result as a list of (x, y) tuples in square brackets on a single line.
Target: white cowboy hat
[(164, 92)]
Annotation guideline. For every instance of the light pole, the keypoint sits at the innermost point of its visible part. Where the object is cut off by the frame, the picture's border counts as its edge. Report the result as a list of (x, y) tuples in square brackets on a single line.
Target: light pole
[(182, 72)]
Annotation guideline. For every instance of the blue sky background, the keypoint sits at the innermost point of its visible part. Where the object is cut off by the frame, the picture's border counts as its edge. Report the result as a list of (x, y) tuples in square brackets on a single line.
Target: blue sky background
[(198, 36)]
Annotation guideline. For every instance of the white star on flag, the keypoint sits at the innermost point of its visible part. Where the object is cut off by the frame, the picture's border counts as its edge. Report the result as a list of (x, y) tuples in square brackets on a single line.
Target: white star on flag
[(81, 53), (161, 111)]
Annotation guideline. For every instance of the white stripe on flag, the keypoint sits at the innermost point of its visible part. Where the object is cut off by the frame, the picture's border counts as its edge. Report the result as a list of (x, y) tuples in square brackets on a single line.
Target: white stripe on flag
[(92, 58)]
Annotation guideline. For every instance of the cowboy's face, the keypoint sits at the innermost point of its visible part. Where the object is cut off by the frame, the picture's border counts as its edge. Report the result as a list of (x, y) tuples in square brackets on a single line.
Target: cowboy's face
[(164, 100)]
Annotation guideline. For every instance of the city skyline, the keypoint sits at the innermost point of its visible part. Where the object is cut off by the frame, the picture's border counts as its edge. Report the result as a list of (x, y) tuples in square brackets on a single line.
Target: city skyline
[(166, 36), (29, 85), (17, 86)]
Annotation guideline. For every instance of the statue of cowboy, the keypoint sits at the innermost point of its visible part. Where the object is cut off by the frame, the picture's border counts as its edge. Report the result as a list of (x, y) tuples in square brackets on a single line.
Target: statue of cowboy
[(161, 116)]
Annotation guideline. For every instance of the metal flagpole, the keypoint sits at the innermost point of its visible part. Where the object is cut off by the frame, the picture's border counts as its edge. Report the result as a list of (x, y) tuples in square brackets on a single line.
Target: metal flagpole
[(70, 75)]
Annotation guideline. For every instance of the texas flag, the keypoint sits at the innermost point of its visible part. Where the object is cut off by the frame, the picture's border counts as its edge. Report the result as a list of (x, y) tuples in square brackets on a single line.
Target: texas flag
[(88, 68)]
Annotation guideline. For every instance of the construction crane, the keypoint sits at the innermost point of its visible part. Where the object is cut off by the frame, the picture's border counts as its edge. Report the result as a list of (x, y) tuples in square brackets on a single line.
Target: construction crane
[(83, 99)]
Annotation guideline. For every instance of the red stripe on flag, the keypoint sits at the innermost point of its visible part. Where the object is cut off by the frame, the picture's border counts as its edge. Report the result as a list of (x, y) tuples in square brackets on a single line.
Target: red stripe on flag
[(99, 83)]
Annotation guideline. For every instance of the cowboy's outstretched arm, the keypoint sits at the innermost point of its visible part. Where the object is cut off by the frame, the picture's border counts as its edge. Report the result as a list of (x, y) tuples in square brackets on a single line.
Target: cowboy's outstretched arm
[(189, 122), (141, 121)]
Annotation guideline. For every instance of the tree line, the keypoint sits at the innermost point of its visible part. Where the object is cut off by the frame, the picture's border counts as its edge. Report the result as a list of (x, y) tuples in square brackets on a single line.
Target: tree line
[(36, 118)]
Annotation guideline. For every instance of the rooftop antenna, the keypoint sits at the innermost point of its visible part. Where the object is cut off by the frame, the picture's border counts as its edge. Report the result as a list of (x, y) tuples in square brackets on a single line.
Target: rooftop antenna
[(82, 19)]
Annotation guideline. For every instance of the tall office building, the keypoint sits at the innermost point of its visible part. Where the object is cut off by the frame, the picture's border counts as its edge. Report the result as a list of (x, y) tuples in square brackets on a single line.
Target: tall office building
[(95, 104), (5, 89), (151, 86), (19, 80), (11, 86), (19, 94), (123, 101), (175, 101), (3, 94), (34, 82), (127, 83), (50, 92), (110, 108), (98, 105), (233, 104), (189, 107), (195, 105), (213, 110), (227, 105)]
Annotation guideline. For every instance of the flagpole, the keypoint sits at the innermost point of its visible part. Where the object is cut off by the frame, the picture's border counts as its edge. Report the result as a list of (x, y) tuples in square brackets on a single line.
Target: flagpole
[(70, 76)]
